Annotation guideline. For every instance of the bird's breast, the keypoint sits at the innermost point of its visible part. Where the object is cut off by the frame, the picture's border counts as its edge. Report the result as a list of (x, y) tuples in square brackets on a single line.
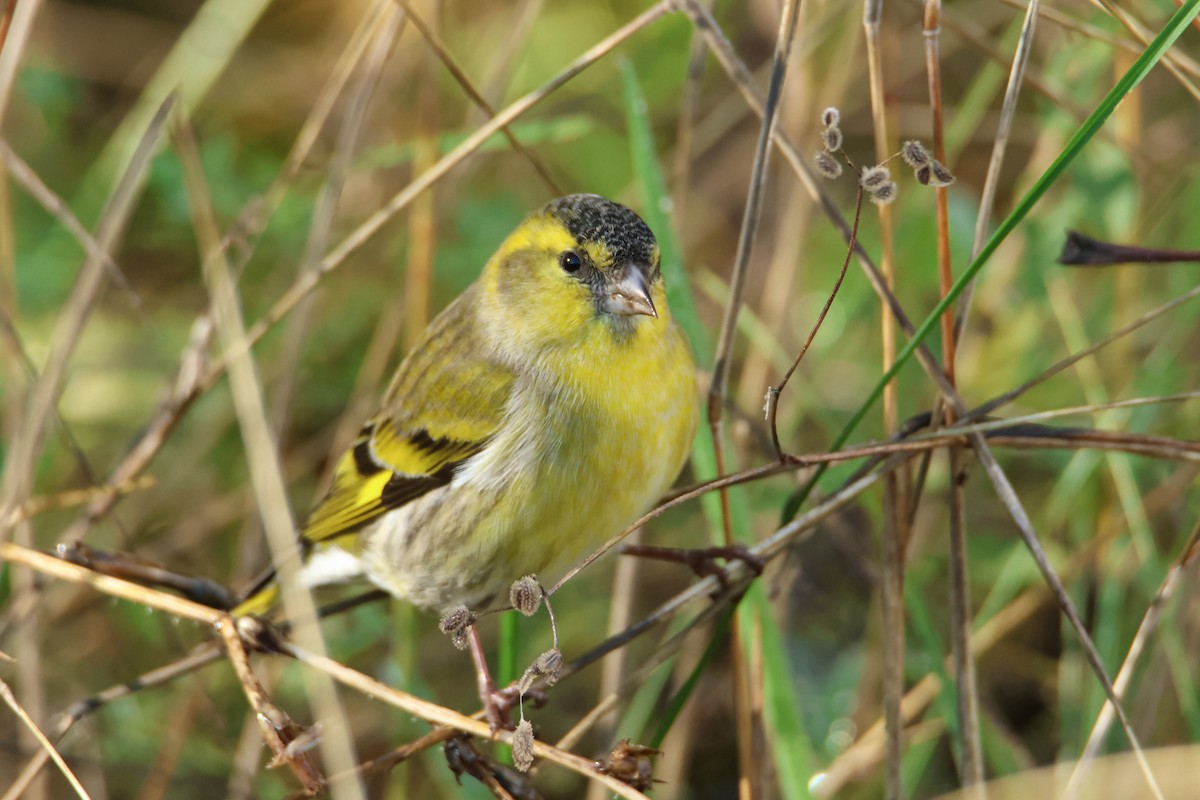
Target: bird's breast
[(585, 447)]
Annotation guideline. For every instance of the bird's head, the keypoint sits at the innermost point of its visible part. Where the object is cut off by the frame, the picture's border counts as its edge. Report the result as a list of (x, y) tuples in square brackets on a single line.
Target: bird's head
[(581, 266)]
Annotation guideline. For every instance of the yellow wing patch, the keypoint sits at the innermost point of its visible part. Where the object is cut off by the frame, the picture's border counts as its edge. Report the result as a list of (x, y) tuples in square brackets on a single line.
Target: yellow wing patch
[(383, 470)]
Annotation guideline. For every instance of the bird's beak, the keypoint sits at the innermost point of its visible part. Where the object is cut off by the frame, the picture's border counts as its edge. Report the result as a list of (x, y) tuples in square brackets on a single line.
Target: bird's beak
[(629, 296)]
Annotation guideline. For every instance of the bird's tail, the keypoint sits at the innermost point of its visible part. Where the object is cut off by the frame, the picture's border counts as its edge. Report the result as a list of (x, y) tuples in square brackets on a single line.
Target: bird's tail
[(261, 599)]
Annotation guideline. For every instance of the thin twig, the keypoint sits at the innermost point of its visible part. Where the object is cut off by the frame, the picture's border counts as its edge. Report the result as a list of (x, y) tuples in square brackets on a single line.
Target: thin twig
[(358, 237), (774, 392), (18, 467), (443, 716), (49, 749), (1172, 59), (277, 729), (1079, 355), (1137, 647), (1025, 527), (991, 182), (116, 587), (689, 103), (455, 69), (73, 497), (56, 207)]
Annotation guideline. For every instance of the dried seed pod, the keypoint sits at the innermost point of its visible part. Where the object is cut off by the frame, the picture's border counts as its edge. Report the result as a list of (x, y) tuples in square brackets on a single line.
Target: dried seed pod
[(456, 619), (832, 139), (827, 166), (914, 154), (630, 763), (547, 665), (527, 678), (526, 595), (941, 175), (550, 664), (924, 175), (831, 116), (884, 193), (874, 176), (522, 745)]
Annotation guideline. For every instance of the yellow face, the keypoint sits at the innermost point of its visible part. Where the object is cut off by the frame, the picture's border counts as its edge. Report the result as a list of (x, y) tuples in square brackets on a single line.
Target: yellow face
[(583, 266)]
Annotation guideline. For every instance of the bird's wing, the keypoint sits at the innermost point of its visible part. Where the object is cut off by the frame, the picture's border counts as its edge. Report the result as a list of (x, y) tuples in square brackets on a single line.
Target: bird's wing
[(446, 403)]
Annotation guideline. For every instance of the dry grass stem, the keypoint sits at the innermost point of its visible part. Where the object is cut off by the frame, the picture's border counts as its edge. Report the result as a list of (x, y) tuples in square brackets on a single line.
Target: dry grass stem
[(895, 527), (1147, 628), (57, 208), (1008, 112), (966, 690), (265, 473), (18, 466), (1013, 504), (325, 206), (452, 66), (45, 744), (18, 18)]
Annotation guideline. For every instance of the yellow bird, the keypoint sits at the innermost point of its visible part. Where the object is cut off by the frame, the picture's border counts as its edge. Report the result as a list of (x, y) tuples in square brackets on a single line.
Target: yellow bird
[(545, 409)]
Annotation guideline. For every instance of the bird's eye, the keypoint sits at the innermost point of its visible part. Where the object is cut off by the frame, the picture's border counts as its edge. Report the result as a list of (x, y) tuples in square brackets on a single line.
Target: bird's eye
[(570, 261)]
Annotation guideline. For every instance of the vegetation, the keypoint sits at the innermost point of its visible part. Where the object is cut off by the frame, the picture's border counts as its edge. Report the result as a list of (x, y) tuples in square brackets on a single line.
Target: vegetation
[(339, 172)]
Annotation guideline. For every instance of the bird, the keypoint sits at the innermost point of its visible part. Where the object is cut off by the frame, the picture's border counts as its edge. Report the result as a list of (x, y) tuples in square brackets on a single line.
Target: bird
[(545, 409)]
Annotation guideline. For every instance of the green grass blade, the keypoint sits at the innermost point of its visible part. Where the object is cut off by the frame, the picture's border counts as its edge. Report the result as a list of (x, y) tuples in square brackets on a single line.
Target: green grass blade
[(656, 202), (680, 698), (795, 759)]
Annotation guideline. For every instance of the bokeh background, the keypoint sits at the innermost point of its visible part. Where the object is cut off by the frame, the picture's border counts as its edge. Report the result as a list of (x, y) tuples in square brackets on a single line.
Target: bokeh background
[(248, 76)]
